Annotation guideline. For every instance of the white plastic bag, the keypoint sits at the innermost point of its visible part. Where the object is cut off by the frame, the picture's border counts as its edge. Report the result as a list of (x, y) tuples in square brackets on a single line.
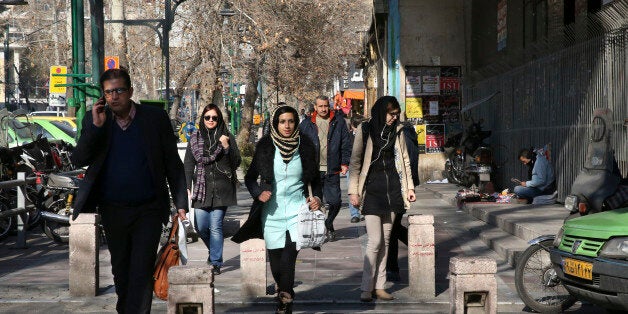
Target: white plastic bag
[(183, 243), (310, 228)]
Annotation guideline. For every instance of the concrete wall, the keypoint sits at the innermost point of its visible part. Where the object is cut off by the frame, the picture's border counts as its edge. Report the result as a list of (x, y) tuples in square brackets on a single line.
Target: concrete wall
[(431, 28)]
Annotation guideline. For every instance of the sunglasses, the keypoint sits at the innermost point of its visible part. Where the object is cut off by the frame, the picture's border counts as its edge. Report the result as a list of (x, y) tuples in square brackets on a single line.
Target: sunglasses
[(210, 118)]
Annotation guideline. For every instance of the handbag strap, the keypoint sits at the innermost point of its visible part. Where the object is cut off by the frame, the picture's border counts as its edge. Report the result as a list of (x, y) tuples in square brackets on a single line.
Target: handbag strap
[(322, 208), (174, 231)]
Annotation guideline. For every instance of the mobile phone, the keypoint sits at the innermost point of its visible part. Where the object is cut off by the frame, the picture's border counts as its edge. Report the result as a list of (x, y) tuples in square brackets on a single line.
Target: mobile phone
[(515, 180), (102, 109)]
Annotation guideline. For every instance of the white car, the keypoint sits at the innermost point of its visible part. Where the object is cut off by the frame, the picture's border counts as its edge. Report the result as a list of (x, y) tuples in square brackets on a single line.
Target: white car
[(49, 113)]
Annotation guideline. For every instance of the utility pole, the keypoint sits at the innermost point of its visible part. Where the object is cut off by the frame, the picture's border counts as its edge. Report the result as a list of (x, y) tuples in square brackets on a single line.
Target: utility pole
[(7, 68)]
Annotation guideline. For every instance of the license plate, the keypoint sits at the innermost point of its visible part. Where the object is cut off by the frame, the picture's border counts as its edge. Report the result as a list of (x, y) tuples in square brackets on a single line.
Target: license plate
[(578, 268)]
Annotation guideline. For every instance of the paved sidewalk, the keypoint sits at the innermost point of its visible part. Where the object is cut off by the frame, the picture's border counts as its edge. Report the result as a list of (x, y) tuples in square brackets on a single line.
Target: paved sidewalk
[(35, 279)]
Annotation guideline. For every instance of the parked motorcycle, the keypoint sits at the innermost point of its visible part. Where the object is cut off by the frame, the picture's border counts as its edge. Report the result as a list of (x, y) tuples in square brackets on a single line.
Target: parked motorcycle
[(596, 188), (469, 159), (55, 203), (536, 280)]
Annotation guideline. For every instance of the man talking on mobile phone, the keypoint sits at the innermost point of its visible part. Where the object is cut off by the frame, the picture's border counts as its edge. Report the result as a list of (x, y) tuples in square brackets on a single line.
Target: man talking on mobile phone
[(132, 160)]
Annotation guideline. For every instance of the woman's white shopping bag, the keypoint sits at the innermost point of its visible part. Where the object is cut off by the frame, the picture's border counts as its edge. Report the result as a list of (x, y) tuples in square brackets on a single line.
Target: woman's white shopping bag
[(310, 228)]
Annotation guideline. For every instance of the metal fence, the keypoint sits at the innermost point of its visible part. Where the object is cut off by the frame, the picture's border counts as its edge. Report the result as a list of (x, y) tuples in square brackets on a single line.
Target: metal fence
[(551, 100), (22, 207)]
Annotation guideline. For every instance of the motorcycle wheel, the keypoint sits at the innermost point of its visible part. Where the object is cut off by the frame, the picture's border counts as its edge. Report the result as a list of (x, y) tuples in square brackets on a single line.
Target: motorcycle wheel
[(449, 173), (56, 231), (537, 283), (457, 170), (6, 224), (34, 217)]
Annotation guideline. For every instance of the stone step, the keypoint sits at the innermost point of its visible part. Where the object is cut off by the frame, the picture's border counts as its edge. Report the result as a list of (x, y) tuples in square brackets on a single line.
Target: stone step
[(507, 246), (526, 222)]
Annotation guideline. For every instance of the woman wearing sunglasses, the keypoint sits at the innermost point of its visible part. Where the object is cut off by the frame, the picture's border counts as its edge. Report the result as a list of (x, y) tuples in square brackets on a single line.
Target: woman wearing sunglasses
[(211, 160)]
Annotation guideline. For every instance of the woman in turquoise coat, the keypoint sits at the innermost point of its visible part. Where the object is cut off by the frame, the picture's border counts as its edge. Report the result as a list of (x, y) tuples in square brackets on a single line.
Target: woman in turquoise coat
[(283, 163)]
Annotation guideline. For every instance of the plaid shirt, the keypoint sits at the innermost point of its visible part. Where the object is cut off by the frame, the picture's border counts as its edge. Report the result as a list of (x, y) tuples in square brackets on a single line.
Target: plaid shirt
[(125, 122)]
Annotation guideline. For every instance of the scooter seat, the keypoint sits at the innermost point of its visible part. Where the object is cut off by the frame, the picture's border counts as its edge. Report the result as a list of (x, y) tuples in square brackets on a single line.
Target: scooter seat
[(57, 181)]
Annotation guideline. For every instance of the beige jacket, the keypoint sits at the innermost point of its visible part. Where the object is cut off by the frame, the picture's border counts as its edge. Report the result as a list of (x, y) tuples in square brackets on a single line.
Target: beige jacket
[(359, 166)]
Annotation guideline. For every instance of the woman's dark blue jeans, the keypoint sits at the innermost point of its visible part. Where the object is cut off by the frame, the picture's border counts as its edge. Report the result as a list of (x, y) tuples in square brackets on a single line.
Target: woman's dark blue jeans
[(208, 223)]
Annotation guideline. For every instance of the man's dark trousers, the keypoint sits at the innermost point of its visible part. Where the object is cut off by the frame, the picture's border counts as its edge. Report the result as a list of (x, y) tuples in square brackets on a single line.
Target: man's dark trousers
[(398, 233), (132, 237), (331, 195)]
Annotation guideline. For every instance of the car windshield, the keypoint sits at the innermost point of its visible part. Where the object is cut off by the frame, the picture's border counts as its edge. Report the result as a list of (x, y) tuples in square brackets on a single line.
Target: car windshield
[(65, 127), (39, 130), (20, 128)]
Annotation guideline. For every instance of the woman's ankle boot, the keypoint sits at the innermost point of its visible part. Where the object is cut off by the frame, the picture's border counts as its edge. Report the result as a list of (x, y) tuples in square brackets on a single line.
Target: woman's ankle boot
[(383, 295), (285, 303)]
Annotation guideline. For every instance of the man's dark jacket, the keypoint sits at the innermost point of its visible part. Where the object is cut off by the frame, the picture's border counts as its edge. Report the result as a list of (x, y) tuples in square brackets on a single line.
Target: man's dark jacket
[(160, 145), (338, 141)]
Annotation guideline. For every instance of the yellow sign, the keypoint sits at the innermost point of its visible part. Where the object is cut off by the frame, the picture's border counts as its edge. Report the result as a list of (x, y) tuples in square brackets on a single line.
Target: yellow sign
[(112, 62), (578, 268), (420, 131), (54, 80), (414, 108), (257, 119)]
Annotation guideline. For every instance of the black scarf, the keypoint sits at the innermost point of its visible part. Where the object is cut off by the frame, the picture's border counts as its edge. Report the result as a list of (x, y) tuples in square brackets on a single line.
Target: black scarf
[(382, 135)]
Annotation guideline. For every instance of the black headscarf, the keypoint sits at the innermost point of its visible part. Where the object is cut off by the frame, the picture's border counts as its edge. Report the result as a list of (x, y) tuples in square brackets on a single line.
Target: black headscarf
[(382, 135)]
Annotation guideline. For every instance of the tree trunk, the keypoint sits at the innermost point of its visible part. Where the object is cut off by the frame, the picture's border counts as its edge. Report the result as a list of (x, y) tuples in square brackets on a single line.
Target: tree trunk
[(178, 94), (117, 32), (249, 105)]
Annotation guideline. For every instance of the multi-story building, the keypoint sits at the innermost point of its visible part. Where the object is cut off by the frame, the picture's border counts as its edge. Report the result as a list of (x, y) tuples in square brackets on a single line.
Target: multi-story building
[(534, 71)]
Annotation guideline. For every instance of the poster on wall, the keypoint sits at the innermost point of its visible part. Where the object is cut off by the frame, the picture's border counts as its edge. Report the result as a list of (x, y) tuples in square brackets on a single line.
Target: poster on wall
[(434, 138), (413, 83), (434, 108), (431, 84), (433, 103), (414, 108), (420, 131), (449, 86)]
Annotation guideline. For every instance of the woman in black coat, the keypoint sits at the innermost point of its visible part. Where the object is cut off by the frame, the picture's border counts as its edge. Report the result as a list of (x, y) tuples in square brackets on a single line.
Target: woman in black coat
[(283, 163), (211, 159)]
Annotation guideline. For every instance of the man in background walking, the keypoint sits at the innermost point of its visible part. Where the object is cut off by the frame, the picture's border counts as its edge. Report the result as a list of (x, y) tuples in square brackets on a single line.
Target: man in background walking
[(330, 135)]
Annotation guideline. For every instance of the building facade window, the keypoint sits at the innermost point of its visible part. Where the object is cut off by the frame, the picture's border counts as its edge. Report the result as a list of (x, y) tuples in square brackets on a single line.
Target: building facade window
[(535, 21)]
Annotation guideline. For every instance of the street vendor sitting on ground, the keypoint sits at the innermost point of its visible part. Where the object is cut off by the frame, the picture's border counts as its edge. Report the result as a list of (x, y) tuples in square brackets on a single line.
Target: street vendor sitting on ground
[(540, 173)]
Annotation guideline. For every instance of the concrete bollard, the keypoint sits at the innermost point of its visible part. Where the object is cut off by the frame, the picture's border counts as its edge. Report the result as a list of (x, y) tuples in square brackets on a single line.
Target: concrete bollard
[(421, 258), (84, 245), (253, 266), (190, 290), (472, 285)]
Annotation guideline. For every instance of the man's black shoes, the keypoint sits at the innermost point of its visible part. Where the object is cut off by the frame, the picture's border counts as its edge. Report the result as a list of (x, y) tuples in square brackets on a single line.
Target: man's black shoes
[(215, 270)]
